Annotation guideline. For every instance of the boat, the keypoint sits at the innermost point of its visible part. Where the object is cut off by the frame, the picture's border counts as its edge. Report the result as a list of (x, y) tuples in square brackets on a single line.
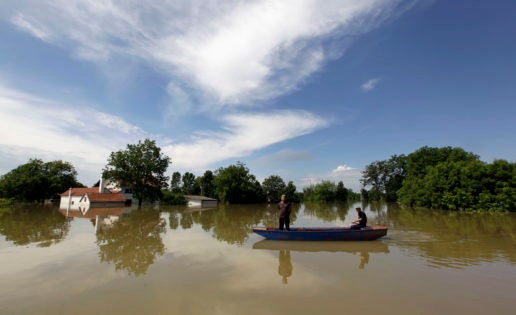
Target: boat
[(322, 233)]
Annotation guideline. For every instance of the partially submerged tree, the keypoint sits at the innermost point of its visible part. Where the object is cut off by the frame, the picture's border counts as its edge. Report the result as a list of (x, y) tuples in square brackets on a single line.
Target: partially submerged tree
[(207, 184), (37, 180), (141, 167), (234, 184), (385, 177), (175, 182), (188, 183), (274, 187)]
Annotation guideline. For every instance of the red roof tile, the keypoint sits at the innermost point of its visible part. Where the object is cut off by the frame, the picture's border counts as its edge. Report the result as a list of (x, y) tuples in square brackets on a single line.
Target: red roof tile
[(94, 195), (80, 191), (106, 197)]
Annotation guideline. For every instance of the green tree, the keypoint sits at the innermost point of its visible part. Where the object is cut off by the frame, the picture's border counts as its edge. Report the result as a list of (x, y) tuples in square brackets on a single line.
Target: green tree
[(175, 182), (291, 193), (188, 183), (324, 191), (61, 175), (385, 177), (141, 167), (341, 194), (499, 186), (196, 189), (416, 189), (172, 198), (234, 184), (421, 159), (207, 184), (273, 187), (37, 180)]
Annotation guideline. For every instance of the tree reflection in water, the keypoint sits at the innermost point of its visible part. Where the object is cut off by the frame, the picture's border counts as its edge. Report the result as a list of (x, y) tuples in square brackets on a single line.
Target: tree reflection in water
[(133, 242), (327, 212), (454, 239), (41, 225), (232, 224)]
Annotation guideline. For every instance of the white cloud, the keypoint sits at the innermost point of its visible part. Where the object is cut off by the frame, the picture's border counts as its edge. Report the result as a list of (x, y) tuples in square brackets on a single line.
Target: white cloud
[(243, 134), (342, 168), (34, 28), (370, 84), (232, 52), (37, 128)]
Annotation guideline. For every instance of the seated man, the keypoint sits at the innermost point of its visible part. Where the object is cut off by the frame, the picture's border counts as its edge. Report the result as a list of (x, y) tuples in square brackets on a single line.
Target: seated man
[(361, 222)]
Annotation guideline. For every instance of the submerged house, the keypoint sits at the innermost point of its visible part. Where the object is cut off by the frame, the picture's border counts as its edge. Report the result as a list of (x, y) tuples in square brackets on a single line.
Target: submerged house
[(85, 198), (200, 201)]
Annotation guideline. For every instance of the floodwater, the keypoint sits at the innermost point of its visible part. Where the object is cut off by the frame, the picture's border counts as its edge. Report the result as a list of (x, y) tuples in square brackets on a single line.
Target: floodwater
[(174, 260)]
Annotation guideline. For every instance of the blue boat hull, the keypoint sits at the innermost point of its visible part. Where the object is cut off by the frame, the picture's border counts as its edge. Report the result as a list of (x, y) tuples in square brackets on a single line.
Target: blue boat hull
[(322, 234)]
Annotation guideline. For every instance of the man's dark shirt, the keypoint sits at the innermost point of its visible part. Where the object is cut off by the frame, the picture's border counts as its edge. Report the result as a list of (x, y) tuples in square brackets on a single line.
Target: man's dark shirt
[(363, 216), (284, 209)]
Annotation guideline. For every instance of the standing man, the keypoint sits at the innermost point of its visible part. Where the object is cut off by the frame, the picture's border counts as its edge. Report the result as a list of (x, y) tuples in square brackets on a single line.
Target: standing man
[(284, 213), (361, 222)]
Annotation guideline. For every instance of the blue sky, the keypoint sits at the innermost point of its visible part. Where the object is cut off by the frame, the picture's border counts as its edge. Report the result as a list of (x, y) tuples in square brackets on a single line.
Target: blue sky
[(307, 90)]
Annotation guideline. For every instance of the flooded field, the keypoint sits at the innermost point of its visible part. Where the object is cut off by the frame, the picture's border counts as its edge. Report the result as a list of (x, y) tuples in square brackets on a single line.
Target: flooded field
[(176, 260)]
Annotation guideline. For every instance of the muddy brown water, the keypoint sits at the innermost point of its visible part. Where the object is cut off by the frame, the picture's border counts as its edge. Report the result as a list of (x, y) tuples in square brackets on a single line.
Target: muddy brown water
[(176, 260)]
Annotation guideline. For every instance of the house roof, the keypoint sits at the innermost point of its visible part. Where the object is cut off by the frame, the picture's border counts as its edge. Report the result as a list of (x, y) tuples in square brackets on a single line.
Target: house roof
[(80, 191), (94, 195), (105, 197), (195, 197)]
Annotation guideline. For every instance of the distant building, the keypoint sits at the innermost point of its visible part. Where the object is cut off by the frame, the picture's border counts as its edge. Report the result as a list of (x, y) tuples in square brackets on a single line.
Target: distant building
[(201, 201), (84, 198)]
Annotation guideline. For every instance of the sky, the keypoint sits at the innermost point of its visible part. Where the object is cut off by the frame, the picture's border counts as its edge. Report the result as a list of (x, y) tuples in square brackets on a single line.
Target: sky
[(306, 90)]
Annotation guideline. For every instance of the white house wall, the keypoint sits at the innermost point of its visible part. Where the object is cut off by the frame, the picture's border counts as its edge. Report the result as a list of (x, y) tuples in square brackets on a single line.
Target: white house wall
[(74, 202)]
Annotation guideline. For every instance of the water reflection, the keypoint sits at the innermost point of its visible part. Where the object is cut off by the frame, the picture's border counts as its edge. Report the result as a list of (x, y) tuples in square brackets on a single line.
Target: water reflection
[(285, 267), (134, 242), (454, 239), (127, 237), (40, 225), (98, 216), (360, 249), (231, 224), (327, 212)]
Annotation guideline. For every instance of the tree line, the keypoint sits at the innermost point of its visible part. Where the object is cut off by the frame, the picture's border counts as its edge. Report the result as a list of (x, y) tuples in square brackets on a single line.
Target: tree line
[(442, 178), (235, 184), (38, 180), (142, 167)]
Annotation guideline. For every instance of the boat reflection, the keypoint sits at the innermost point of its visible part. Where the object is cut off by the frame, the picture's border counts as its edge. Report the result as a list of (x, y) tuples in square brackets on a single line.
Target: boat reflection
[(349, 247), (285, 269)]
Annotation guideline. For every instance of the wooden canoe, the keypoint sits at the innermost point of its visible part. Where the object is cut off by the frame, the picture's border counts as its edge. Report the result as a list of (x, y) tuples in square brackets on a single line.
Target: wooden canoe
[(322, 234)]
